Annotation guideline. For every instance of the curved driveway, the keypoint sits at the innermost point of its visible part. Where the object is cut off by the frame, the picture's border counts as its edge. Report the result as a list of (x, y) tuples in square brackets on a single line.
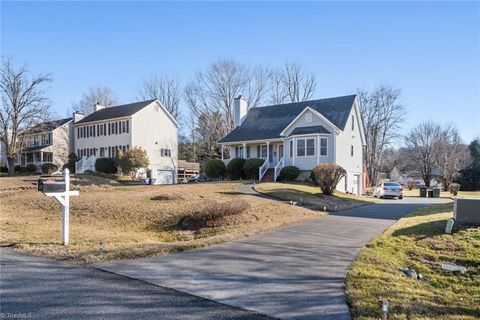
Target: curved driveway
[(297, 272)]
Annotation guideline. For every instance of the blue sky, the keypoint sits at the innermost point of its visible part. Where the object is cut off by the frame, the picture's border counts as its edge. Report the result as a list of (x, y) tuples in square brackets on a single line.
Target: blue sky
[(429, 49)]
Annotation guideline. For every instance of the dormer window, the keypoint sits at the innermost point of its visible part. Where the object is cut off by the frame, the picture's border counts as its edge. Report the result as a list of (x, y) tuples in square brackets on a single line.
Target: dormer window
[(308, 117)]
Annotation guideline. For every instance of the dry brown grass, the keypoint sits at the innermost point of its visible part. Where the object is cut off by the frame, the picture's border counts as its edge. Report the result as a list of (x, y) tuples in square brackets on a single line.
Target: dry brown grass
[(127, 222)]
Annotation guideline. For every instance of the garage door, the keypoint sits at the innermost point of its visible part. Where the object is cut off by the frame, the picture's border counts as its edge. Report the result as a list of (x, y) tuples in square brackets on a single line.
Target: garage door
[(164, 177)]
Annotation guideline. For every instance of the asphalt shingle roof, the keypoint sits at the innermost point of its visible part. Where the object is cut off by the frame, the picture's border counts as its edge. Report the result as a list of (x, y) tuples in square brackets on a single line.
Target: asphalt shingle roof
[(47, 126), (125, 110), (307, 130), (268, 122)]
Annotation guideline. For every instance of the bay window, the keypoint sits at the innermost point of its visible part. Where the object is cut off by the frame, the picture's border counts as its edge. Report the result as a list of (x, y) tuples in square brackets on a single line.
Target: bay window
[(323, 146), (306, 147)]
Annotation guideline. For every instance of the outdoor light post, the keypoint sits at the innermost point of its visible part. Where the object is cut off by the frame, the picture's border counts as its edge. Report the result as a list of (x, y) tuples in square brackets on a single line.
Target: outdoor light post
[(60, 190)]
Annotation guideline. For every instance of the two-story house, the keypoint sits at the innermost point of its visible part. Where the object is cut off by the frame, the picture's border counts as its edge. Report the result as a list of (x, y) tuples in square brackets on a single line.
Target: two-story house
[(145, 124), (302, 134), (47, 142)]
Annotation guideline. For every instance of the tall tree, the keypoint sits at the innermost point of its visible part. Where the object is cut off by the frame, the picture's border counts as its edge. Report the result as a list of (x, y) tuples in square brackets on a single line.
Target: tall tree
[(382, 114), (100, 94), (298, 84), (24, 105), (470, 176), (424, 142), (453, 155), (165, 89)]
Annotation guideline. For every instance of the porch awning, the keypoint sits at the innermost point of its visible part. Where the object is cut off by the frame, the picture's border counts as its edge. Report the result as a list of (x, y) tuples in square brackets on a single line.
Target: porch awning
[(36, 148), (309, 130)]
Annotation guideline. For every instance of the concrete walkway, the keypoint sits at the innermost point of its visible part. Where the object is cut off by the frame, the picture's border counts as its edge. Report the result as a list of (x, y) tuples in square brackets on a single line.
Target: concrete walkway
[(297, 272)]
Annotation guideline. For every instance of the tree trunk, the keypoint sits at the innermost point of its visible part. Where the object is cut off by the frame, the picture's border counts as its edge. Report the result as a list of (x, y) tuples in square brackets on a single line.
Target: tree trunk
[(427, 179), (11, 166)]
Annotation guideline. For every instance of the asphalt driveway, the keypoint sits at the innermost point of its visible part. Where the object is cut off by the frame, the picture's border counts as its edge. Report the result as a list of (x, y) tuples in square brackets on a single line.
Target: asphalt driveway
[(297, 272), (38, 288)]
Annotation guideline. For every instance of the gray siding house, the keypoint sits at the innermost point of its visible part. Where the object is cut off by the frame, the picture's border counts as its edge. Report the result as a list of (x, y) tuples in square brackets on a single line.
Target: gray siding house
[(302, 134)]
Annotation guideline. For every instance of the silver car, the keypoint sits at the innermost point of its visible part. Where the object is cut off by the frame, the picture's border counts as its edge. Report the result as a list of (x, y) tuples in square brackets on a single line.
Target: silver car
[(388, 190)]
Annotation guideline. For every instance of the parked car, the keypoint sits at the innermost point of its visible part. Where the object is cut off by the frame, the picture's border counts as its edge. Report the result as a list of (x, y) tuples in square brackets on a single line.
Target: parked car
[(197, 178), (388, 189)]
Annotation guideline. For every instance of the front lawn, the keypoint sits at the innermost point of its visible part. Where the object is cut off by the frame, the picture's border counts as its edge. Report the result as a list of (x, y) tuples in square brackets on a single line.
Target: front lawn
[(310, 195), (418, 242), (109, 222)]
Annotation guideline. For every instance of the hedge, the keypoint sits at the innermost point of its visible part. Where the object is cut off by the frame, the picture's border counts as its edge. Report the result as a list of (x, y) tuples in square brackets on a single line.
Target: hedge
[(235, 169), (250, 168), (215, 169), (105, 165), (289, 173), (31, 168)]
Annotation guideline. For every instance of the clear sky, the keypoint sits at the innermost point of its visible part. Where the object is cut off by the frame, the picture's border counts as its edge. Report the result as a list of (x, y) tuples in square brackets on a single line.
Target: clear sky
[(429, 49)]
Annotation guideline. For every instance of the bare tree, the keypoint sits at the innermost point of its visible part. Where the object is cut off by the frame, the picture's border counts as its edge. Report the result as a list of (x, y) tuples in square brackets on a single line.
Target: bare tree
[(453, 155), (165, 89), (424, 142), (383, 115), (24, 105), (100, 94), (292, 83), (390, 162)]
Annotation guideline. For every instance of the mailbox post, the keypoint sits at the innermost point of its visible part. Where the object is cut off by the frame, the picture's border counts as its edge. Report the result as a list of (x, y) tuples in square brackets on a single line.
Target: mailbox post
[(61, 191)]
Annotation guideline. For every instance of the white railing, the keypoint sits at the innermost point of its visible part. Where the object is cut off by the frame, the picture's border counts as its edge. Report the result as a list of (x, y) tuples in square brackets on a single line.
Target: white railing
[(263, 168), (84, 164), (278, 168)]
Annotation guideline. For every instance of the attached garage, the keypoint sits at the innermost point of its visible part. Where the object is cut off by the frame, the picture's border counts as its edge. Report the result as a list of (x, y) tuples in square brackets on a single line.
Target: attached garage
[(164, 177)]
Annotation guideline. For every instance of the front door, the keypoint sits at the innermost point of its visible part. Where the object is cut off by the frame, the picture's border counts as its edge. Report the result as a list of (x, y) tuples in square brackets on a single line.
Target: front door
[(355, 186), (270, 153)]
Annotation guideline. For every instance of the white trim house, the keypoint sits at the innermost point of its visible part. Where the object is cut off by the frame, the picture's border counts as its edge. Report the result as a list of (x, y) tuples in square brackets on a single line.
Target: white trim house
[(145, 124), (47, 142), (302, 134)]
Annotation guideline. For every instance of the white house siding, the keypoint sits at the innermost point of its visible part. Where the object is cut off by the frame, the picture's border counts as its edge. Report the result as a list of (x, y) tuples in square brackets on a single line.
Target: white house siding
[(309, 162), (61, 144), (153, 130), (352, 164), (96, 142)]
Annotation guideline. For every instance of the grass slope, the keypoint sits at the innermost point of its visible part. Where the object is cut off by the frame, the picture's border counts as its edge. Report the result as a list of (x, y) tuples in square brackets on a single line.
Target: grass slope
[(418, 241), (311, 196), (110, 222)]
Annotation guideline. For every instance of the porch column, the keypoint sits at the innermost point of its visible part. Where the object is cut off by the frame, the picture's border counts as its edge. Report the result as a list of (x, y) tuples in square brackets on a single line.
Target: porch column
[(222, 151), (318, 149), (268, 152), (41, 157), (294, 152), (244, 151)]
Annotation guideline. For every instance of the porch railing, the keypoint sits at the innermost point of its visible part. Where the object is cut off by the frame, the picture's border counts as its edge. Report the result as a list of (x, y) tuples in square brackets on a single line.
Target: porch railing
[(85, 163), (263, 168), (278, 168)]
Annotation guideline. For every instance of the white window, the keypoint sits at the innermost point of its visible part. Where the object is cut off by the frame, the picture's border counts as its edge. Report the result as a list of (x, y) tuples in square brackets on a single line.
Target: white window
[(166, 152), (353, 122), (351, 150), (291, 148), (308, 117), (305, 147), (323, 147)]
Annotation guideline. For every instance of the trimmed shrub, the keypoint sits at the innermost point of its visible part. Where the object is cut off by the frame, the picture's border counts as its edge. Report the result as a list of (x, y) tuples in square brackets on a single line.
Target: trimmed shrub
[(313, 178), (289, 173), (215, 214), (49, 168), (235, 169), (328, 175), (18, 168), (31, 168), (250, 168), (3, 169), (215, 169), (72, 158), (454, 188), (134, 159), (105, 165)]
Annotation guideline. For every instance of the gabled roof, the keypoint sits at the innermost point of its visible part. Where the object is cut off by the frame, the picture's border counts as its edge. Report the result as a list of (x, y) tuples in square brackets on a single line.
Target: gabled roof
[(268, 122), (47, 126), (308, 130), (125, 110)]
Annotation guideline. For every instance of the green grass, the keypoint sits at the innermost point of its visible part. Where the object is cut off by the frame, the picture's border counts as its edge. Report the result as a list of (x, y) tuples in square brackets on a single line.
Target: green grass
[(418, 241), (311, 196)]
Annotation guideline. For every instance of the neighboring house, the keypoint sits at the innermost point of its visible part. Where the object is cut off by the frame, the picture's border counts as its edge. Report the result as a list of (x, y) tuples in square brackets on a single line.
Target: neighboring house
[(47, 142), (145, 124), (302, 134)]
